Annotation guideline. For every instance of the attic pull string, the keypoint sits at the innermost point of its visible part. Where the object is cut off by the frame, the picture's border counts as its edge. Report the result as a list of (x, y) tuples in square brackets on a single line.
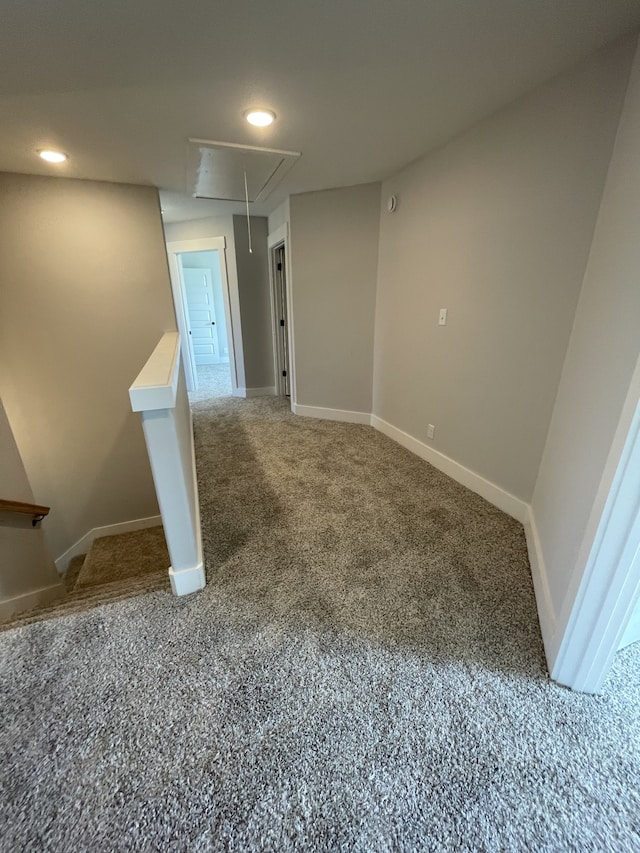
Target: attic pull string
[(246, 197)]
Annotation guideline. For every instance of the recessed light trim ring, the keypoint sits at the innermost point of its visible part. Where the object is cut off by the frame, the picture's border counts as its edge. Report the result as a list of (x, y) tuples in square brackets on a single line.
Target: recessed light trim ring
[(259, 117), (52, 156)]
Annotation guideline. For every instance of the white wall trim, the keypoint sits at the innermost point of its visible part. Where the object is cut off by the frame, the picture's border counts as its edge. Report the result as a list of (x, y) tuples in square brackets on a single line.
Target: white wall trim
[(270, 391), (595, 619), (186, 581), (279, 309), (632, 631), (279, 235), (233, 323), (84, 543), (331, 414), (513, 506), (274, 238), (169, 437), (156, 384), (239, 392), (497, 496), (28, 600), (544, 601)]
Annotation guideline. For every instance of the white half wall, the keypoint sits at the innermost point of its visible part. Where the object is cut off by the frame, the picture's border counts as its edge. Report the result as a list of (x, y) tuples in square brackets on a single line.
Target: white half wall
[(160, 395)]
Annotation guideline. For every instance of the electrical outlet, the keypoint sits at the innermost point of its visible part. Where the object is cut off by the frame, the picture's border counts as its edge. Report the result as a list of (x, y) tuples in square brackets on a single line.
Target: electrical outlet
[(442, 317), (430, 430)]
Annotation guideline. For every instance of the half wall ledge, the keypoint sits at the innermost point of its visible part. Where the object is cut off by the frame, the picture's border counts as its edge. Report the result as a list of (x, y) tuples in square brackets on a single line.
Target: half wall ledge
[(160, 395)]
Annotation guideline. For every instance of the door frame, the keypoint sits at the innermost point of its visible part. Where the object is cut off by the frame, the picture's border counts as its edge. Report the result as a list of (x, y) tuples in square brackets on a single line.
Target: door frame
[(275, 240), (203, 244), (605, 585)]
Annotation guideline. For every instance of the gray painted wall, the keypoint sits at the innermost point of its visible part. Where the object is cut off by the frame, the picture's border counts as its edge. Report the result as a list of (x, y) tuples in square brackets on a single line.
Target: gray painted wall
[(280, 216), (496, 227), (25, 563), (334, 251), (255, 300), (601, 357), (85, 299)]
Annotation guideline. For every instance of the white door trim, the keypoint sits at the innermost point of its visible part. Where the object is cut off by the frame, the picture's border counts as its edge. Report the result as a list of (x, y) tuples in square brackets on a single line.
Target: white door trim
[(180, 305), (276, 238), (605, 585), (277, 312), (205, 244)]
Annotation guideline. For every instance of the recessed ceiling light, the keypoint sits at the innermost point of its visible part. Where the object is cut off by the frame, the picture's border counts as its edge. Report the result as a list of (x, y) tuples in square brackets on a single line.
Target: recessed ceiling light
[(53, 156), (260, 118)]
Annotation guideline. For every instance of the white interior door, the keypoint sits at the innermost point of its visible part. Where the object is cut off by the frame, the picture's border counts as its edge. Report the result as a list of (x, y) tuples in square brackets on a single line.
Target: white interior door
[(198, 289)]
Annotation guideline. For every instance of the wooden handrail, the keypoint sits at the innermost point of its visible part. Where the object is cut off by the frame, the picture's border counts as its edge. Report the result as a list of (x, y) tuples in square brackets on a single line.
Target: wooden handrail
[(37, 512)]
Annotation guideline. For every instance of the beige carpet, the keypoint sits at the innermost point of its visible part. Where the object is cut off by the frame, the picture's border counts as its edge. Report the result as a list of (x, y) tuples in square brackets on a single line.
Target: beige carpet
[(363, 672), (74, 568), (214, 380), (127, 555)]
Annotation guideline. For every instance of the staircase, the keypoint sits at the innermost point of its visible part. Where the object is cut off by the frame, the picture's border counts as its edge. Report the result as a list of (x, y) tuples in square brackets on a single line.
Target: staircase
[(128, 582)]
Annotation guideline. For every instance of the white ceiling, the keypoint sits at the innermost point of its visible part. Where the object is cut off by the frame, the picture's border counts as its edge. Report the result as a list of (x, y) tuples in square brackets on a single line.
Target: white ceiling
[(360, 87)]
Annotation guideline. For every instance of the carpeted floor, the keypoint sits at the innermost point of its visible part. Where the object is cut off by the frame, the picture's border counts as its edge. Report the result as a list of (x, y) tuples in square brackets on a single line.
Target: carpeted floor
[(363, 672), (214, 380)]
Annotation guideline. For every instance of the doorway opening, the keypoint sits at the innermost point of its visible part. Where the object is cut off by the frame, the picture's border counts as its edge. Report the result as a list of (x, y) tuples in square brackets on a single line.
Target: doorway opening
[(204, 306), (281, 319), (202, 302)]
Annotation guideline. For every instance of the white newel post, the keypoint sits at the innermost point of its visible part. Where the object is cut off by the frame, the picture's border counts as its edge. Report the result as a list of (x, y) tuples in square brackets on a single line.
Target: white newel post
[(160, 395)]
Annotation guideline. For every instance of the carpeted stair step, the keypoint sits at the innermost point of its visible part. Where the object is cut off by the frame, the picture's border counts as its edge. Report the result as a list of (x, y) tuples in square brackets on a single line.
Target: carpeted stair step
[(90, 598), (124, 556), (73, 570), (116, 567)]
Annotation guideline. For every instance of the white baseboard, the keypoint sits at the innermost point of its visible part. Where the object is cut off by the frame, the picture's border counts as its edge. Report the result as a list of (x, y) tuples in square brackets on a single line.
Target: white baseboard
[(84, 543), (331, 414), (497, 496), (28, 600), (270, 391), (186, 581), (546, 613), (632, 631), (513, 506), (239, 392), (505, 501)]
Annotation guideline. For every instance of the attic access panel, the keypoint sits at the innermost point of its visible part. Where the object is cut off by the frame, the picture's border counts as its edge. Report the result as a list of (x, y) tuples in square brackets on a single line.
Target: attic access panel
[(216, 170)]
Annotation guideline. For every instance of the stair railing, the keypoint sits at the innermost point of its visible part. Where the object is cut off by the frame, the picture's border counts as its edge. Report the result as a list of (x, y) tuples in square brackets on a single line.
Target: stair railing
[(36, 511)]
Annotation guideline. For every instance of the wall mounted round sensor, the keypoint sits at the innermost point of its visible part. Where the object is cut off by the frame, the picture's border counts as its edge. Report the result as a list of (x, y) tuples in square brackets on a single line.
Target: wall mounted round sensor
[(392, 203), (260, 118)]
